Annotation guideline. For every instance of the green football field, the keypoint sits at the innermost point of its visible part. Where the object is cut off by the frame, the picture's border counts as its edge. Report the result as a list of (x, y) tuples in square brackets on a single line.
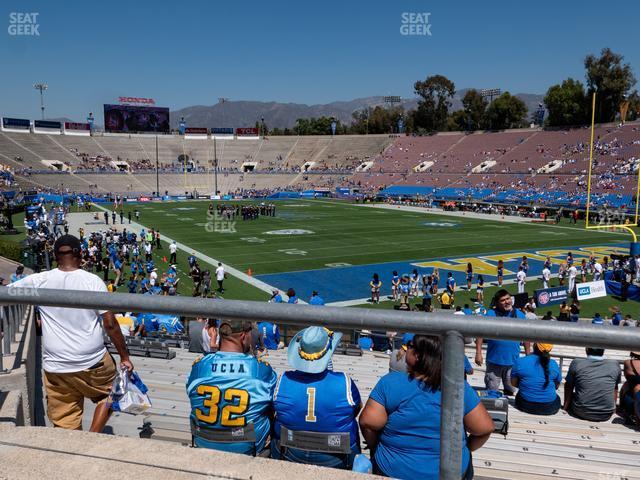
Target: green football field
[(334, 247)]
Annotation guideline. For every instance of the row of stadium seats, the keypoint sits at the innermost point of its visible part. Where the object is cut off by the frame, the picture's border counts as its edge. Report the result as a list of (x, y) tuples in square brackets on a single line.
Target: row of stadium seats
[(274, 153), (558, 446)]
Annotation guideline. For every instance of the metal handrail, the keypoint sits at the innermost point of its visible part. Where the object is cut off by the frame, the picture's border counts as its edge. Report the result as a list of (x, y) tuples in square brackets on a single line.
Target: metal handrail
[(452, 327), (11, 317)]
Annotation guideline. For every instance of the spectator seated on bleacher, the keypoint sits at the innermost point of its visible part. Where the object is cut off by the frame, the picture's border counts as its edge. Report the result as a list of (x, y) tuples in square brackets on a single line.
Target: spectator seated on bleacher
[(315, 405), (271, 335), (126, 323), (398, 362), (401, 420), (196, 336), (591, 386), (210, 337), (365, 342), (537, 377), (630, 393), (231, 394)]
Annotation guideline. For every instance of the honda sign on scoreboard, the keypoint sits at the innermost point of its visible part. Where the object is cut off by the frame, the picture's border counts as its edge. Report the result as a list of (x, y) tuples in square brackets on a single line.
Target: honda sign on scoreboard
[(591, 290)]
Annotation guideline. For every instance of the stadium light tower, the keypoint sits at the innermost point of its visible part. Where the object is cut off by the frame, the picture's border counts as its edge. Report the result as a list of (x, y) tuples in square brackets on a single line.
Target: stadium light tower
[(42, 87), (392, 100), (490, 93), (215, 167), (223, 100)]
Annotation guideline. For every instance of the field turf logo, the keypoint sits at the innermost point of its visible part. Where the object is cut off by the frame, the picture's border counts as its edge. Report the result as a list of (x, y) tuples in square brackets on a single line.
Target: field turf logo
[(292, 231), (440, 224)]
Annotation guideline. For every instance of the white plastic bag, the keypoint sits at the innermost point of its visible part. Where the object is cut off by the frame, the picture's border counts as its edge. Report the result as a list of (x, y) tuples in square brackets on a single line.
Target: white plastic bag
[(129, 394)]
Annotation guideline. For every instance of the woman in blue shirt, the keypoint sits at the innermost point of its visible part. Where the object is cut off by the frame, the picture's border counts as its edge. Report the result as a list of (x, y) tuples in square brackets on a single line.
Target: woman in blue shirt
[(537, 378), (291, 293), (401, 420)]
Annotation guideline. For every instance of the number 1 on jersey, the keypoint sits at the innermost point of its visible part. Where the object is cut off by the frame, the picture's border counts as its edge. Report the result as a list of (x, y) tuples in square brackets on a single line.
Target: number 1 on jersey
[(311, 405)]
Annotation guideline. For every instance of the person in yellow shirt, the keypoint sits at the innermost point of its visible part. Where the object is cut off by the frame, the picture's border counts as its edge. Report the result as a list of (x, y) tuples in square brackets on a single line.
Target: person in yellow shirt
[(446, 301)]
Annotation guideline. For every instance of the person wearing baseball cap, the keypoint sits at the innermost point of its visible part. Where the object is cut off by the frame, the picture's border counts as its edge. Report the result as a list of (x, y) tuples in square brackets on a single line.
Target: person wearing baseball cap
[(314, 398), (75, 361), (537, 377), (232, 390)]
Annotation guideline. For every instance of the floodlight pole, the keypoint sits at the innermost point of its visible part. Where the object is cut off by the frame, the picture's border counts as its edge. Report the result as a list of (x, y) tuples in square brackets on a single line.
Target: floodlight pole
[(223, 100), (157, 169), (593, 119), (391, 100), (490, 93), (215, 167), (42, 87)]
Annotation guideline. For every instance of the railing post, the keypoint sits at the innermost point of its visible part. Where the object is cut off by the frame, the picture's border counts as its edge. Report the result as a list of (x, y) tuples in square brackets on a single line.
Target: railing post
[(6, 328), (451, 428), (1, 342), (16, 321)]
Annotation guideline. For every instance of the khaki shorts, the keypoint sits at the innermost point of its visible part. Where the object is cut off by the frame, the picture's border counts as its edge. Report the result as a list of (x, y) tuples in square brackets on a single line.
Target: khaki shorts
[(66, 392)]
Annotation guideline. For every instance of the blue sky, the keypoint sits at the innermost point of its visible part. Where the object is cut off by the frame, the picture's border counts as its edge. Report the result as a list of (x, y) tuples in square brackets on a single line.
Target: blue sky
[(192, 52)]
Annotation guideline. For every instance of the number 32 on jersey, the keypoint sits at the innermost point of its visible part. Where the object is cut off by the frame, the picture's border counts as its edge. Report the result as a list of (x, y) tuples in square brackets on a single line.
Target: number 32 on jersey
[(213, 396)]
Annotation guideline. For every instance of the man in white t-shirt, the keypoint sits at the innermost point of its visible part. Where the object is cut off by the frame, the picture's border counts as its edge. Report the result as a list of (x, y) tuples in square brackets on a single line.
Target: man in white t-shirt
[(147, 252), (220, 276), (173, 248), (546, 277), (573, 273), (153, 277), (521, 277), (75, 361)]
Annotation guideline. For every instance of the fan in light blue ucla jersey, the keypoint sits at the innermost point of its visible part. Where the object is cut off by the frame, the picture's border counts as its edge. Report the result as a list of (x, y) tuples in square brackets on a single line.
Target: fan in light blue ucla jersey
[(313, 398), (231, 389)]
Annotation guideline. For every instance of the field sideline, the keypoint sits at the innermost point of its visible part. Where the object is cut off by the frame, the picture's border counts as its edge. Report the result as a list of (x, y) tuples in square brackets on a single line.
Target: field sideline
[(334, 247)]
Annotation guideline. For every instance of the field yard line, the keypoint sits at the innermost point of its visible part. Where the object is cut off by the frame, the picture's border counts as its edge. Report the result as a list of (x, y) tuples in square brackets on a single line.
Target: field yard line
[(436, 258), (476, 216), (480, 216), (400, 250), (384, 242), (259, 284)]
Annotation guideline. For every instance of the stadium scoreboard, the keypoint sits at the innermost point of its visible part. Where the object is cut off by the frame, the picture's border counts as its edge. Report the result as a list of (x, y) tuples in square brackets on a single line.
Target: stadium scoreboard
[(135, 119)]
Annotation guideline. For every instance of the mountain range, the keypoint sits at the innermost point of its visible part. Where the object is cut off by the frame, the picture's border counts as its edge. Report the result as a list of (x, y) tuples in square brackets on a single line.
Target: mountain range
[(245, 113)]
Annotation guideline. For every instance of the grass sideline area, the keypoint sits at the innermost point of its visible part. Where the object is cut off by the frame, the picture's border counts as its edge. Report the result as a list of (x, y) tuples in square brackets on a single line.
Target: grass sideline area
[(334, 233), (10, 245), (588, 308)]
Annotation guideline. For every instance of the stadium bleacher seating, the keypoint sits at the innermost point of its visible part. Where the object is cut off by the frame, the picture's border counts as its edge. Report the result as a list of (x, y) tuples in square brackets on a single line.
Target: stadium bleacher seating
[(500, 161), (535, 447)]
